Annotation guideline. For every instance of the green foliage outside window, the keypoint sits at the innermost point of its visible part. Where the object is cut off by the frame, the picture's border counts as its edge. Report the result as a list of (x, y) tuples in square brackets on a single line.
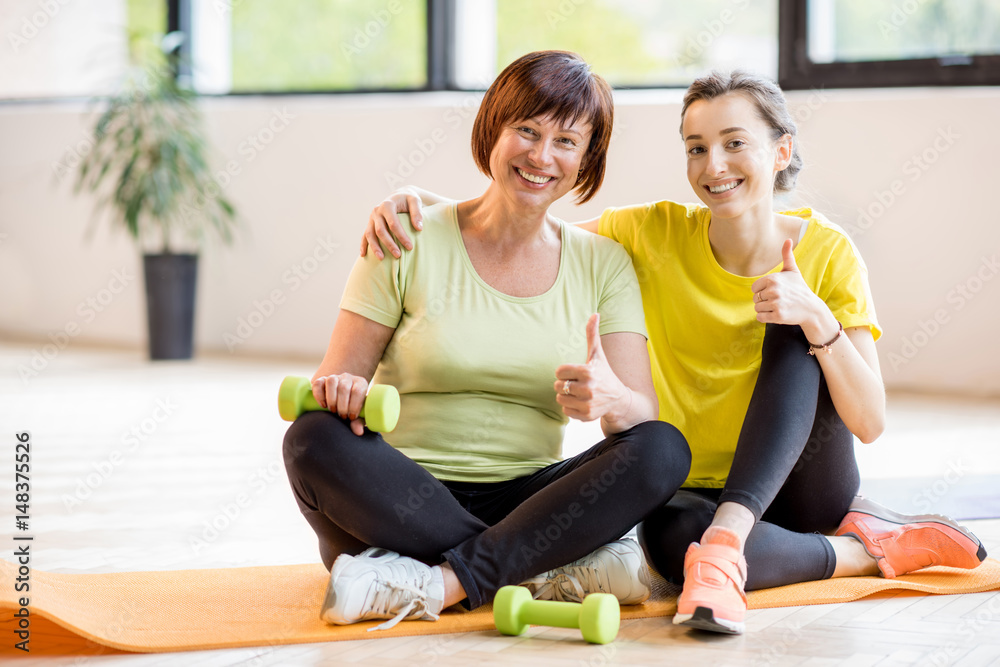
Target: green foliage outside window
[(644, 42), (146, 18), (329, 45)]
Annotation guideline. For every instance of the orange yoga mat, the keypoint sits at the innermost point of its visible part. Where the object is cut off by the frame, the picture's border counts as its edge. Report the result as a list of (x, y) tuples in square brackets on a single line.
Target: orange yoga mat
[(146, 612)]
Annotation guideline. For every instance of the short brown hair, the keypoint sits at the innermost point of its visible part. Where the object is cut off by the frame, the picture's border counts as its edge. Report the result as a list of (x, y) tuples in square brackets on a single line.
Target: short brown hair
[(771, 106), (558, 84)]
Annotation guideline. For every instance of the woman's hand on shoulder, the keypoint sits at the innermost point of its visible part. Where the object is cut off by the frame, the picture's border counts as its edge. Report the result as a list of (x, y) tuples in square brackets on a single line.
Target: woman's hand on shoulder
[(384, 227), (343, 394)]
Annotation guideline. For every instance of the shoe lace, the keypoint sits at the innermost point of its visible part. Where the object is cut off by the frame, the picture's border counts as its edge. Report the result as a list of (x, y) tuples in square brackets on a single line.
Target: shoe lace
[(567, 584), (405, 592)]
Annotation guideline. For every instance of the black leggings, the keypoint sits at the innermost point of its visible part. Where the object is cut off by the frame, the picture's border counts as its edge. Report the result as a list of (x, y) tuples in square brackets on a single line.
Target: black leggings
[(357, 492), (794, 468)]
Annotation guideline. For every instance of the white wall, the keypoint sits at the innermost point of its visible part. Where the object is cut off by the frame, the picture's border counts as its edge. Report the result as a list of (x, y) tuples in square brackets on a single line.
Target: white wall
[(313, 182), (61, 47)]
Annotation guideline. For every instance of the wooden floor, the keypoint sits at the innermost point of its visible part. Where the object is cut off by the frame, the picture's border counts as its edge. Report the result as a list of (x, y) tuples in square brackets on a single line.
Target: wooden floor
[(136, 466)]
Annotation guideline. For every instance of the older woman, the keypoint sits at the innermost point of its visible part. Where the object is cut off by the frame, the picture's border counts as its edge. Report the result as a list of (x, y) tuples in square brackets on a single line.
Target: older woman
[(481, 328)]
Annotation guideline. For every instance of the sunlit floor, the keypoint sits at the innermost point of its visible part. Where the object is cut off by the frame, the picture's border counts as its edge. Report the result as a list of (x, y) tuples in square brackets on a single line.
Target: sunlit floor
[(176, 465)]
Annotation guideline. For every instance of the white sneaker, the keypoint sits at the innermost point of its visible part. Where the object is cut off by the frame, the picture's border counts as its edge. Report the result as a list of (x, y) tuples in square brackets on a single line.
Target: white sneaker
[(379, 583), (618, 568)]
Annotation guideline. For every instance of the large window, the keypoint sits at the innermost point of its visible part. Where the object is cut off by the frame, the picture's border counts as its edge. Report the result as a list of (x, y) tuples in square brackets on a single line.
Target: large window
[(65, 48), (333, 45), (860, 43)]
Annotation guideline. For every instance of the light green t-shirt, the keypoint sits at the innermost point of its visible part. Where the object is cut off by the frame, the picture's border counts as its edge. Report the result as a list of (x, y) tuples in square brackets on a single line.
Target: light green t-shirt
[(475, 367), (704, 337)]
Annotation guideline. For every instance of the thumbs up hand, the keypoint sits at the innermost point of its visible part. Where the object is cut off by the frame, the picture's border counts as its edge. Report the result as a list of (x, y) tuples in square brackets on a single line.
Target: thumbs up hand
[(591, 390), (784, 297), (594, 349), (788, 257)]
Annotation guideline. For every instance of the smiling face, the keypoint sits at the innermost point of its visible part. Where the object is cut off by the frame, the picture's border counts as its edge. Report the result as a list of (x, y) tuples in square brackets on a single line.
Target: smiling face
[(536, 161), (731, 155)]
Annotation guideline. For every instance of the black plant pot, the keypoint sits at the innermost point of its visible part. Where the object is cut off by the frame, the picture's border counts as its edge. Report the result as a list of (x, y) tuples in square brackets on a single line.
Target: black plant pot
[(170, 290)]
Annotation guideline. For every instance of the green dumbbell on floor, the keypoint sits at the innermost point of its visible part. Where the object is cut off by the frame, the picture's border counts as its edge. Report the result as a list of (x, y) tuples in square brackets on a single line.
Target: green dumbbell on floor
[(380, 411), (598, 617)]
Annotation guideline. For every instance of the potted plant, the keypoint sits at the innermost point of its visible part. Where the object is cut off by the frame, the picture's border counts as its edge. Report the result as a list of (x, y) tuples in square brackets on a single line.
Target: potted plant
[(148, 166)]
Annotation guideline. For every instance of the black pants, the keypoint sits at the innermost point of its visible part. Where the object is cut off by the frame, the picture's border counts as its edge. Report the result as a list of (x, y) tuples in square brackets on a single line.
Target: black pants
[(357, 492), (794, 468)]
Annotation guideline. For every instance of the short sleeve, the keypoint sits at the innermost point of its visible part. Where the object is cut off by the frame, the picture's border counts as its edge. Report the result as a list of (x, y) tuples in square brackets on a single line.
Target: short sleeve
[(620, 224), (376, 288), (620, 303), (850, 298)]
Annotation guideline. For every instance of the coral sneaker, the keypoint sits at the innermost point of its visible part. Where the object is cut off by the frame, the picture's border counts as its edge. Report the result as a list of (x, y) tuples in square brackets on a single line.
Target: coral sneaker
[(715, 573), (903, 543)]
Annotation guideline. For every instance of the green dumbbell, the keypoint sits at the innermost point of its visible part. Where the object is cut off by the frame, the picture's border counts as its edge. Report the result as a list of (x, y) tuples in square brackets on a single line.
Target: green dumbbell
[(598, 617), (380, 411)]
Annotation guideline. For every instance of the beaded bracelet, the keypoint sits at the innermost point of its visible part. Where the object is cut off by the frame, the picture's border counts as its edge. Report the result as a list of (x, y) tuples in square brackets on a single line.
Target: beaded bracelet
[(826, 346)]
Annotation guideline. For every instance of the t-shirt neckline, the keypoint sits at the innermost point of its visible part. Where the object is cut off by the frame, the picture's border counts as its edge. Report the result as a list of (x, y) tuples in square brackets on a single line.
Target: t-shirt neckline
[(467, 261), (805, 214)]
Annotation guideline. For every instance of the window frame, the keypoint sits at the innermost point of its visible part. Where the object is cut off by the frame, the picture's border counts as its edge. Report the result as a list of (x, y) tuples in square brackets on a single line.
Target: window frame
[(440, 55), (797, 72)]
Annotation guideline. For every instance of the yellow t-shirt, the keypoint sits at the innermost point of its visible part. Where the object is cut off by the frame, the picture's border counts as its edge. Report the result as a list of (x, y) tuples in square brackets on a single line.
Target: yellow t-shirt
[(704, 338), (475, 367)]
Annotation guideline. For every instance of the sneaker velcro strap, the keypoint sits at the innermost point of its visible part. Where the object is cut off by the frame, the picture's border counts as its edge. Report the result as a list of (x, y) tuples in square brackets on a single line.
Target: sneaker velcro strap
[(721, 558), (897, 560)]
